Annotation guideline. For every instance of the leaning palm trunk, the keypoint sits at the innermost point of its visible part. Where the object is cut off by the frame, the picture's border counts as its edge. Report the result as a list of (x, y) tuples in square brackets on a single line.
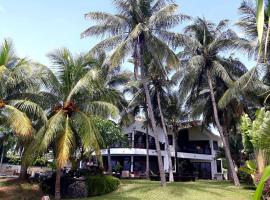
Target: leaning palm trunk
[(57, 194), (225, 143), (166, 139), (150, 111), (109, 161)]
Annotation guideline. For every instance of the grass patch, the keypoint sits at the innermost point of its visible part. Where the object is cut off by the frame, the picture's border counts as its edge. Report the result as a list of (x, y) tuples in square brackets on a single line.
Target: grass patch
[(199, 190), (13, 189)]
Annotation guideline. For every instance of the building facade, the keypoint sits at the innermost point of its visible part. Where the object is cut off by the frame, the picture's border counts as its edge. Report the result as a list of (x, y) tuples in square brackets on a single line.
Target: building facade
[(193, 149)]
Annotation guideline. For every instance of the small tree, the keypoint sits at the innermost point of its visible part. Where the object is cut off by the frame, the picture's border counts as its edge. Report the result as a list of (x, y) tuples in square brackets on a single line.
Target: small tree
[(111, 134)]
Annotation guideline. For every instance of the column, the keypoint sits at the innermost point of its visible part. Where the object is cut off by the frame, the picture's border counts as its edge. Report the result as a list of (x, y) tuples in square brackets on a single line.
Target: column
[(132, 138), (213, 168), (166, 162)]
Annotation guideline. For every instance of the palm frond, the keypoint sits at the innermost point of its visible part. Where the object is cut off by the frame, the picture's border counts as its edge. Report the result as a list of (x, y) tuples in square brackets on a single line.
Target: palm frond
[(65, 143), (18, 121)]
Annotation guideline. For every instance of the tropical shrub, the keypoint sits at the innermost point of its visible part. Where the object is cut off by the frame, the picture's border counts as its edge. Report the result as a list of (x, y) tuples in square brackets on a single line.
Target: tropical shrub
[(101, 184), (71, 188)]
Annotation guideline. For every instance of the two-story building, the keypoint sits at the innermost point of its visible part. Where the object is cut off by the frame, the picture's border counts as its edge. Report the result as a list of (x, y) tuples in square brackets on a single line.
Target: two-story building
[(193, 149)]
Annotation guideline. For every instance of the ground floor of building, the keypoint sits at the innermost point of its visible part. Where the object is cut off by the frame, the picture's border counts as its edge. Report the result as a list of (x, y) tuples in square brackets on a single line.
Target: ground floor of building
[(136, 165)]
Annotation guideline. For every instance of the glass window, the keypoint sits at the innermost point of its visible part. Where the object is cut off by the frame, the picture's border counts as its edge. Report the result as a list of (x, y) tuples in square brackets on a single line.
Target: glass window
[(170, 138), (219, 166), (215, 145)]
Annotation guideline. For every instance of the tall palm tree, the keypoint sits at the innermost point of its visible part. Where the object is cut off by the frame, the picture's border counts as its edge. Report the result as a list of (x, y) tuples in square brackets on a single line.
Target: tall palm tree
[(20, 78), (205, 69), (80, 93), (253, 81), (136, 30)]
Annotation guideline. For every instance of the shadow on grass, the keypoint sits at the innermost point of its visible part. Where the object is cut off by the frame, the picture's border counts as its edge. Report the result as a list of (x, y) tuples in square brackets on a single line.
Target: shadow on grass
[(14, 189)]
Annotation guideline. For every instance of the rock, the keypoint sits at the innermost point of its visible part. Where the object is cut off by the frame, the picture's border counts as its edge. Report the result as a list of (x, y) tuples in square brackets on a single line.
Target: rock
[(78, 189)]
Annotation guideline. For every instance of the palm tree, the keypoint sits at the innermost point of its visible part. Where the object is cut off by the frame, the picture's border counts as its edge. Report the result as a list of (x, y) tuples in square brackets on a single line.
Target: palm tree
[(205, 69), (19, 78), (136, 30), (253, 81), (80, 93)]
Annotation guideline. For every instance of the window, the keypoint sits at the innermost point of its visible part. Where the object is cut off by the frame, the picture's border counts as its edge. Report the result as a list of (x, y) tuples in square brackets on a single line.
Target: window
[(218, 166), (170, 138), (215, 145)]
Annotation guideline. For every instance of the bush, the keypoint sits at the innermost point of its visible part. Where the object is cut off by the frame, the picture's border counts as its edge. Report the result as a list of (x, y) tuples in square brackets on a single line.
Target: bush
[(101, 184)]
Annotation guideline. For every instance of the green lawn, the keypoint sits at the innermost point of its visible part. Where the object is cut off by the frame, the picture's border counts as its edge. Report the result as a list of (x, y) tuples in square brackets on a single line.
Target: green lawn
[(12, 189), (199, 190)]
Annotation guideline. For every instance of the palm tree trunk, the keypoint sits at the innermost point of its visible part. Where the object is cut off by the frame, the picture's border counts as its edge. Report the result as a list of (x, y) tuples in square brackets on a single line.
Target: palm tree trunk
[(151, 112), (225, 144), (58, 184), (24, 166), (166, 139), (2, 156), (109, 161), (175, 149), (147, 170), (23, 172), (147, 146)]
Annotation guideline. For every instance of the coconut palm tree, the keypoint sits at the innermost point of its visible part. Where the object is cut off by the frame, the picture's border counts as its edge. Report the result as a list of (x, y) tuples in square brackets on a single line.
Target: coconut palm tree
[(19, 79), (80, 93), (136, 30), (205, 69)]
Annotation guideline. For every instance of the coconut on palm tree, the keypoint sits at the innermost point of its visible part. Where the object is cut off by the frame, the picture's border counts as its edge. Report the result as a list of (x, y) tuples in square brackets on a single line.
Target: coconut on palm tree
[(20, 78), (136, 30), (206, 69), (80, 94)]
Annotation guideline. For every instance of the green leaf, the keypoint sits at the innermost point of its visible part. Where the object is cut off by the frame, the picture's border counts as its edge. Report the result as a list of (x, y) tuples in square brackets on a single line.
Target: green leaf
[(260, 187)]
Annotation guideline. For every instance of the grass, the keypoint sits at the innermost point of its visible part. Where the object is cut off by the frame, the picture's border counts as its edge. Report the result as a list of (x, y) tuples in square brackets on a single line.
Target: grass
[(13, 189), (199, 190)]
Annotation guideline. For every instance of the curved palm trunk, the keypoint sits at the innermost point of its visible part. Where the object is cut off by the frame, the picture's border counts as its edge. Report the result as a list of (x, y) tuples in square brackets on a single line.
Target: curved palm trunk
[(221, 132), (171, 179), (57, 194), (109, 161), (150, 111)]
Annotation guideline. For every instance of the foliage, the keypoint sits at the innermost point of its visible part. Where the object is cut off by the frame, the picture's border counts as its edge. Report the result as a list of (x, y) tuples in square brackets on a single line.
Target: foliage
[(98, 185), (80, 92), (19, 77), (256, 135), (13, 159), (110, 132), (41, 161), (261, 186)]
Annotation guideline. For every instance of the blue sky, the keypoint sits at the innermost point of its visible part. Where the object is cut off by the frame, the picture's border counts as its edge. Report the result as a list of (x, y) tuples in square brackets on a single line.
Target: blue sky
[(37, 27)]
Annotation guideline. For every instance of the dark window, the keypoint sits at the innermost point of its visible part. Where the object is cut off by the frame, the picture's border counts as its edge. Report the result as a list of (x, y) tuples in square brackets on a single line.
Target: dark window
[(218, 166), (215, 145), (170, 138)]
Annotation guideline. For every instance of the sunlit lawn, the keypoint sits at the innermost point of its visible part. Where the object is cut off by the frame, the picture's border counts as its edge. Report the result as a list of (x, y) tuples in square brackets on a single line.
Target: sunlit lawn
[(199, 190), (140, 189)]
